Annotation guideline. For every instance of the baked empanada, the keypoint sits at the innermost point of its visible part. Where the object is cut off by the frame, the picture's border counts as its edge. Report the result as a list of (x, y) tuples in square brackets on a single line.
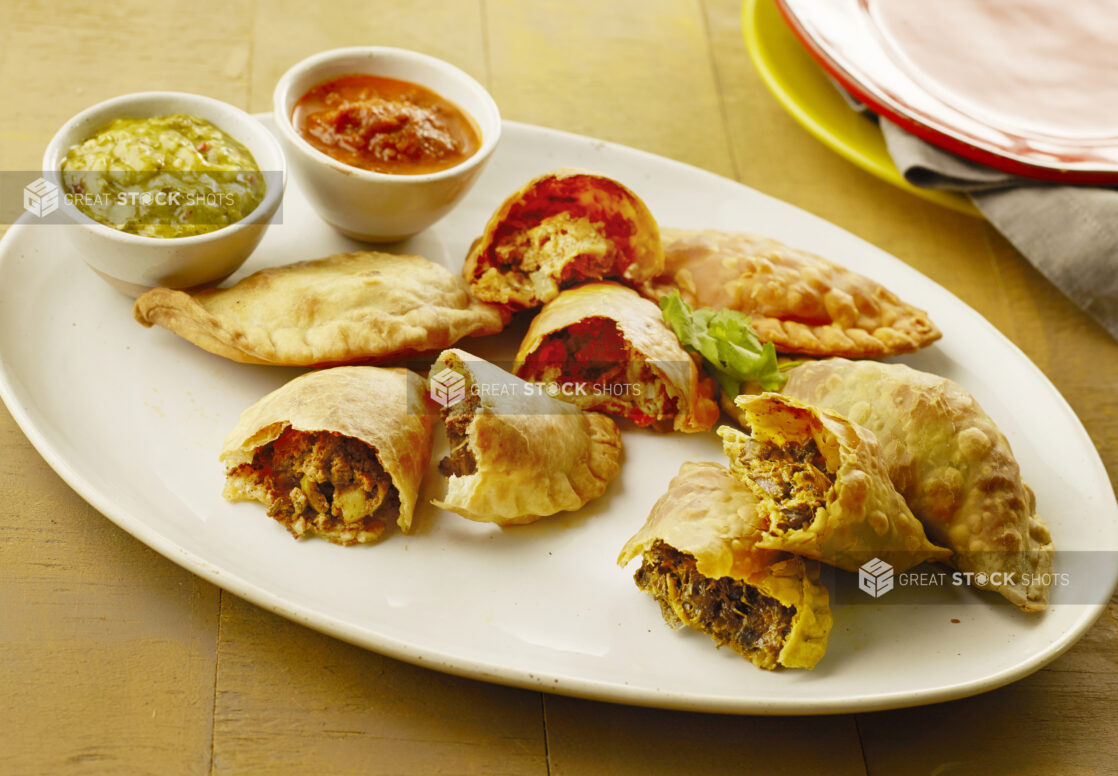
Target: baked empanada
[(516, 454), (702, 563), (952, 465), (364, 307), (603, 347), (337, 453), (800, 302), (822, 487), (559, 230)]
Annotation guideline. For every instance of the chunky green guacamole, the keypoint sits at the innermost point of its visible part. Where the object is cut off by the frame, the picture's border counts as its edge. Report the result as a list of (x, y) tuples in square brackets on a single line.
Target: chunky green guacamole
[(165, 176)]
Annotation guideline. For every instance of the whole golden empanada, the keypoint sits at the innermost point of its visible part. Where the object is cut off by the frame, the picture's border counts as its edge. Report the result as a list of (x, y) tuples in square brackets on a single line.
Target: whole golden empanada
[(702, 563), (822, 487), (337, 453), (559, 230), (798, 301), (950, 462), (605, 348), (363, 307), (516, 454)]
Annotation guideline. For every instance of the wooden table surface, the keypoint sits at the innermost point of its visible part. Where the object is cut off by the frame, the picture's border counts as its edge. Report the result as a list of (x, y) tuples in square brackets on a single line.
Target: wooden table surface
[(117, 661)]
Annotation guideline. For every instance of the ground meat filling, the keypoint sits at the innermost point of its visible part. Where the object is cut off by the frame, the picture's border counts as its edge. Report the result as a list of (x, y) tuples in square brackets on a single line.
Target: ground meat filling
[(457, 417), (794, 477), (326, 484), (596, 368), (730, 612)]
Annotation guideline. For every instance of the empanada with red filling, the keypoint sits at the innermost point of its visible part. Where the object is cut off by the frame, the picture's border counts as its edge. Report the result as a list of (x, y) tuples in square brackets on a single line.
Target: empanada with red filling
[(604, 348), (561, 229)]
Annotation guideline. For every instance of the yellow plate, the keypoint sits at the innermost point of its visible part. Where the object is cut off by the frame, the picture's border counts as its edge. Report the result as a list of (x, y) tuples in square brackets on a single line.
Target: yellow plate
[(801, 86)]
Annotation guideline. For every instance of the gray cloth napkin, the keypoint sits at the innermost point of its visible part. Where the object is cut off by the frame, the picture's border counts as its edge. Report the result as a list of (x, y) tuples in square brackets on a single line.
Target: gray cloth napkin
[(1069, 233)]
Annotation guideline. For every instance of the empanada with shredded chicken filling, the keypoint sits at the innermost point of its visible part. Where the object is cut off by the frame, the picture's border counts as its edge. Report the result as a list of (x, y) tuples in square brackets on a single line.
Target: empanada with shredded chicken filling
[(363, 307), (604, 348), (517, 454), (337, 453), (822, 487), (950, 462), (559, 230), (701, 561), (800, 302)]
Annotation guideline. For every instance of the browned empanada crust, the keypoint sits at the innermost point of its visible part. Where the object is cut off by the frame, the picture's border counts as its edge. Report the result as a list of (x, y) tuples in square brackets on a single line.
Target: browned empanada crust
[(364, 307), (561, 229), (517, 454), (800, 302), (702, 561), (630, 347), (950, 462), (335, 452)]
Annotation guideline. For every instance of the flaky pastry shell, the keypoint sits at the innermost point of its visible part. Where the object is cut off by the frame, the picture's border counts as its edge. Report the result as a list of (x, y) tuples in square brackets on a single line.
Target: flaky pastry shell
[(823, 487), (517, 454), (647, 339), (707, 514), (562, 228), (800, 302), (363, 307), (951, 463), (385, 409)]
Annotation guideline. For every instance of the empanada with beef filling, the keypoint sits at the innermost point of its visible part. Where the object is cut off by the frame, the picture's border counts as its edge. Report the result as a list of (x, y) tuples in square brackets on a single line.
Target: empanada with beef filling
[(701, 561), (950, 462), (363, 307), (606, 349), (337, 453), (561, 229), (516, 454), (822, 487), (800, 302)]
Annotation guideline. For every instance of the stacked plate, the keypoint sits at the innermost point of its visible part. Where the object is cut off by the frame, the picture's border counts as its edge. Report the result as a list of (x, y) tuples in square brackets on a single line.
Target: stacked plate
[(1024, 86)]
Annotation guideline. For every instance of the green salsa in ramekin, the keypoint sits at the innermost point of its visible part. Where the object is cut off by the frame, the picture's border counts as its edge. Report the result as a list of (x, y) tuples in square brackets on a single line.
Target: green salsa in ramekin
[(163, 176)]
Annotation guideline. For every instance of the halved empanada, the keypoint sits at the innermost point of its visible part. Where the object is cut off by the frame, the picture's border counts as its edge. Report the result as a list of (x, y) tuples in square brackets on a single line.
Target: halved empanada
[(337, 453), (364, 307), (800, 302), (516, 454), (559, 230), (950, 462), (603, 347), (822, 487), (702, 564)]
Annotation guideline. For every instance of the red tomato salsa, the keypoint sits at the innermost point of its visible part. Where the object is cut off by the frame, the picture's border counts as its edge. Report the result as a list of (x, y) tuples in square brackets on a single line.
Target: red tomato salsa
[(385, 125)]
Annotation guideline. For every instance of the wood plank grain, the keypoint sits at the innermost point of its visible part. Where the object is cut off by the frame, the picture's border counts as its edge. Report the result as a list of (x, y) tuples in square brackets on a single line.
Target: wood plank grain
[(109, 649), (294, 701), (284, 32), (1060, 720), (636, 72), (586, 737), (291, 700)]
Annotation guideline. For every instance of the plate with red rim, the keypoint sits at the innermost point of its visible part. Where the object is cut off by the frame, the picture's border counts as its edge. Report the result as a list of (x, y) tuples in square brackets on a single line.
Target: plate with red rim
[(133, 420), (1026, 87)]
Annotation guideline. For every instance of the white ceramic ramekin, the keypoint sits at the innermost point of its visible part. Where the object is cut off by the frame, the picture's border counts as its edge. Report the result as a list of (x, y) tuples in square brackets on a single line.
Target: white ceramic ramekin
[(135, 263), (372, 206)]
